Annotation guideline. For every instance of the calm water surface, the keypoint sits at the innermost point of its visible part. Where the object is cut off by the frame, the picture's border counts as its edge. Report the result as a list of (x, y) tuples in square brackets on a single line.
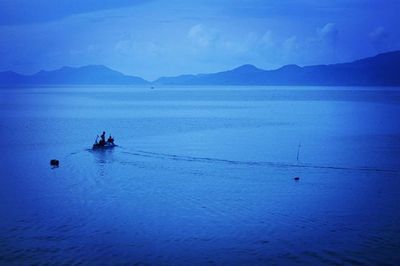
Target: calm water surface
[(202, 175)]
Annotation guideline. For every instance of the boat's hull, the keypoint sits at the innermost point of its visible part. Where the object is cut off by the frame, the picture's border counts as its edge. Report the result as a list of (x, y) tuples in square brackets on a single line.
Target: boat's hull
[(103, 147)]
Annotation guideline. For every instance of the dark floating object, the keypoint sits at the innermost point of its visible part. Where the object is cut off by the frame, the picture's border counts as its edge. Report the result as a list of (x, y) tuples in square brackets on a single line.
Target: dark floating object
[(296, 178), (54, 162)]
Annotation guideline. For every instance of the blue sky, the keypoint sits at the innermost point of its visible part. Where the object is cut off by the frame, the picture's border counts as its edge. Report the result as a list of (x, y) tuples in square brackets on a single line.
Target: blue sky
[(162, 38)]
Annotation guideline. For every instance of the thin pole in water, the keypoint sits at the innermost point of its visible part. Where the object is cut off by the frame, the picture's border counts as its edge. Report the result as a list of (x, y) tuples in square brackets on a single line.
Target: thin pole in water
[(298, 153)]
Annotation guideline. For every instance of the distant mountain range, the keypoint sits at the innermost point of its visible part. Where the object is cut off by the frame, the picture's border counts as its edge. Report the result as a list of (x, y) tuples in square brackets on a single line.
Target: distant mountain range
[(93, 74), (380, 70), (383, 69)]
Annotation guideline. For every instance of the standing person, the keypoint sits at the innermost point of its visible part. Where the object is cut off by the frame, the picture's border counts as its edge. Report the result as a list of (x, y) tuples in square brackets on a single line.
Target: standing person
[(103, 138)]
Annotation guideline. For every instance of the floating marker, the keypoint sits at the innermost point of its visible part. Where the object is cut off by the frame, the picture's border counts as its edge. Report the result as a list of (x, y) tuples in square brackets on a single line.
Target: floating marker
[(296, 178), (54, 162)]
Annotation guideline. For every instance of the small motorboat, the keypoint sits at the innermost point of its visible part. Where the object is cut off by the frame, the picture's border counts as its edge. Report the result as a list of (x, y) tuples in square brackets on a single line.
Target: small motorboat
[(103, 144), (107, 145)]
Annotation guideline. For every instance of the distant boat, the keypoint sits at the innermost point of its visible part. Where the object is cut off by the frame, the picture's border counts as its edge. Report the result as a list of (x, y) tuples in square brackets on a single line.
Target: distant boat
[(107, 145), (103, 144)]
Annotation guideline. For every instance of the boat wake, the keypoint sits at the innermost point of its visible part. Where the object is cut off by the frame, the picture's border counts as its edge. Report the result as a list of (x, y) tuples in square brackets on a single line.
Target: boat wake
[(166, 156)]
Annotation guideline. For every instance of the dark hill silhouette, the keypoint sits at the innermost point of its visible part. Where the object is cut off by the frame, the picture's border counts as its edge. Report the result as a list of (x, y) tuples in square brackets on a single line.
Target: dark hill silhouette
[(92, 74), (383, 69), (10, 77)]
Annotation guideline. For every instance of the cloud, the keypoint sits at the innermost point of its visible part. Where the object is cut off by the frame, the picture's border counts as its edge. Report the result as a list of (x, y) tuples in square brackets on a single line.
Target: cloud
[(322, 46), (267, 38), (249, 45), (16, 12), (290, 45), (124, 47), (380, 39), (202, 36), (328, 33), (317, 48), (138, 49)]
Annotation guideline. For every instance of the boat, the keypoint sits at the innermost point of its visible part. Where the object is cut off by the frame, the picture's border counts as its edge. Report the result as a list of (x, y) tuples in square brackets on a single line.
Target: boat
[(107, 145), (103, 144)]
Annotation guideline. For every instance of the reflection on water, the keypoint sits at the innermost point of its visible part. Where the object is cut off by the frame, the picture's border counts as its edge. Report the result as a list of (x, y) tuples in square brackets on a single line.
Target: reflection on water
[(202, 176), (102, 157)]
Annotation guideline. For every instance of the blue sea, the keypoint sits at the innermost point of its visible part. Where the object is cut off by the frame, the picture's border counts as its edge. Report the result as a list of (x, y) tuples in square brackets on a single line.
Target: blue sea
[(201, 175)]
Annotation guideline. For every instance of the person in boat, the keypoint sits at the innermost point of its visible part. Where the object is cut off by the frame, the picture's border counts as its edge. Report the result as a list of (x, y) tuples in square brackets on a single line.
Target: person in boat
[(110, 140), (103, 138)]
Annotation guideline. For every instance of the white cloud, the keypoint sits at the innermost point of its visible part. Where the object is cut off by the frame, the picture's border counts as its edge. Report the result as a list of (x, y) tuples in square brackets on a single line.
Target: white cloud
[(137, 49), (123, 47), (267, 38), (202, 36), (328, 33), (380, 39), (291, 44)]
